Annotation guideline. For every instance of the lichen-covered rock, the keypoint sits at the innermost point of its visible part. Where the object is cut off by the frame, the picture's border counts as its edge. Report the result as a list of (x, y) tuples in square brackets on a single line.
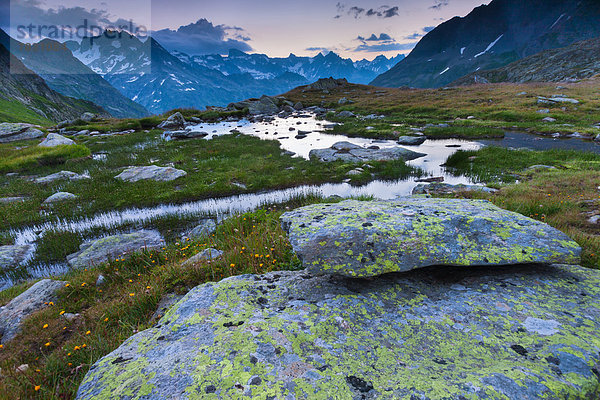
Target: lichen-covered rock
[(11, 256), (12, 132), (111, 247), (370, 238), (205, 227), (352, 153), (33, 299), (54, 139), (152, 172), (525, 332)]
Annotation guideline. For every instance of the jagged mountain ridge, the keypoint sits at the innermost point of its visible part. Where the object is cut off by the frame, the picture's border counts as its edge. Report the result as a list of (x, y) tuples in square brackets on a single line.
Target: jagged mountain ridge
[(65, 74), (493, 36), (31, 98), (578, 61), (148, 74), (260, 66)]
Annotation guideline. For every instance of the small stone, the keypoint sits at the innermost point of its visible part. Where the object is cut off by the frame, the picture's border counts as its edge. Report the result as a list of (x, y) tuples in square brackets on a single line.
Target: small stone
[(70, 317), (204, 255), (549, 119), (60, 197), (101, 281), (152, 172), (22, 368)]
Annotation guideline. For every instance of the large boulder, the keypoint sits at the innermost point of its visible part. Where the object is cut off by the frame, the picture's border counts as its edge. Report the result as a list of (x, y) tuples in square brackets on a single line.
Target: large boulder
[(327, 84), (352, 153), (12, 132), (11, 256), (152, 172), (525, 332), (175, 121), (266, 105), (411, 140), (33, 299), (184, 134), (205, 227), (112, 247), (370, 238), (54, 139)]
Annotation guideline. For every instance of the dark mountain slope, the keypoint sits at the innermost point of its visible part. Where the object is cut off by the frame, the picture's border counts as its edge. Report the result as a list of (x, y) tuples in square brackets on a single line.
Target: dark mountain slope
[(67, 75), (25, 97), (578, 61), (493, 36)]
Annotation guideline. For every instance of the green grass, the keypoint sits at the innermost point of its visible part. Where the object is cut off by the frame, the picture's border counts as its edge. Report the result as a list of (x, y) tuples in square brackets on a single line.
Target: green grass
[(252, 243), (14, 111), (214, 168), (504, 165), (25, 157)]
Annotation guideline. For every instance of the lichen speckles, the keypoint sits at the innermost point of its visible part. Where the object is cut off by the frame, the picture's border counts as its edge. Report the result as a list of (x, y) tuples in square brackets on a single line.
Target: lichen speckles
[(435, 333), (370, 238)]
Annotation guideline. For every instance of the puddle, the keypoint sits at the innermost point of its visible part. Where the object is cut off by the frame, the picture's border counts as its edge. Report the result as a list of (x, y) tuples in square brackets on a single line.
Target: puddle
[(535, 142)]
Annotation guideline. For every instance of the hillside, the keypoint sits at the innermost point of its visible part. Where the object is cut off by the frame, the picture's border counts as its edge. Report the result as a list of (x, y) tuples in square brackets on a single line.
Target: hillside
[(67, 75), (578, 61), (492, 36), (25, 97)]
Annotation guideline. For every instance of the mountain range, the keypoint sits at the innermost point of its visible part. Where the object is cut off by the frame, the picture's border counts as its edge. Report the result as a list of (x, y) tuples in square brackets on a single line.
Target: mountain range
[(492, 36), (148, 74)]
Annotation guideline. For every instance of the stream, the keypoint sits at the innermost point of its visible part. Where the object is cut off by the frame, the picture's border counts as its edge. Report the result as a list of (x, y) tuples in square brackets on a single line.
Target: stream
[(285, 131)]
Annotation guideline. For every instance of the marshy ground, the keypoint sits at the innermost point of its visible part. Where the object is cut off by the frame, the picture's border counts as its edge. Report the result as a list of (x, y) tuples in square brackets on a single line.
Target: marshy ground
[(59, 351)]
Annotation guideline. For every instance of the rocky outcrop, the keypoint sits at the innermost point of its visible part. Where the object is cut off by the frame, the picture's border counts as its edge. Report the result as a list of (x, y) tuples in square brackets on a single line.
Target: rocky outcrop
[(175, 121), (54, 139), (327, 84), (152, 172), (353, 153), (62, 175), (365, 239), (60, 197), (11, 256), (111, 247), (525, 332), (12, 132), (17, 310)]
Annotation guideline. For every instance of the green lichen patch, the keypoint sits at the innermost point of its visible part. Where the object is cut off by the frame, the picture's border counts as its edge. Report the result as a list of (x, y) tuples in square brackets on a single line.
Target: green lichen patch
[(362, 239), (435, 333)]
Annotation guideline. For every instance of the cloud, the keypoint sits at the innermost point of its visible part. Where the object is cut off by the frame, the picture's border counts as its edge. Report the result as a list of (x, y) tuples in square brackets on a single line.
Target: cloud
[(202, 37), (359, 12), (381, 43), (418, 35), (30, 22), (438, 4)]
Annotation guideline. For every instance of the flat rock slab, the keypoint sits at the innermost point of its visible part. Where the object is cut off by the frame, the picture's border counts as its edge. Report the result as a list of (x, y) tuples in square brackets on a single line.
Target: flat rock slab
[(13, 132), (152, 172), (370, 238), (438, 188), (111, 247), (481, 333), (33, 299), (62, 175), (352, 153), (11, 256)]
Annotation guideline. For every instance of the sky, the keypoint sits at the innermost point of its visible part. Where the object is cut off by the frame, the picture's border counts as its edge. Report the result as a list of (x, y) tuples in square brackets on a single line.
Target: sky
[(353, 29)]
